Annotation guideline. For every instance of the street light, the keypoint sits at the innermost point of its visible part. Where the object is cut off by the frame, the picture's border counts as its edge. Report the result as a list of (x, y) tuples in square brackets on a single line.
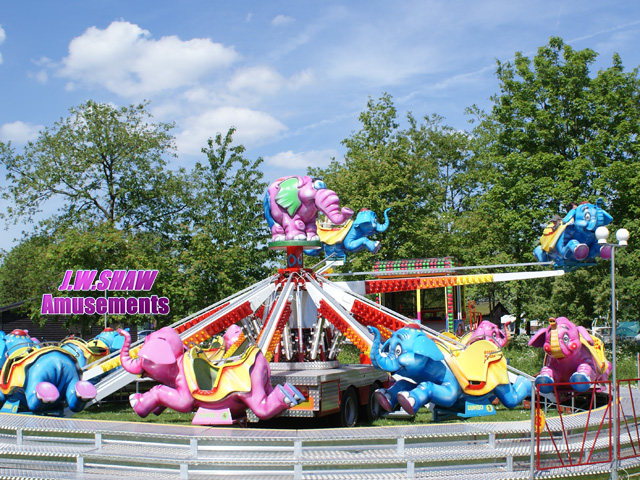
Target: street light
[(622, 235)]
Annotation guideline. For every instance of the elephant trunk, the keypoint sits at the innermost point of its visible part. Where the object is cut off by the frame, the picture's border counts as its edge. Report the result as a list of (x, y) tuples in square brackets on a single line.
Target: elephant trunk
[(602, 217), (507, 335), (131, 365), (388, 363), (385, 225), (375, 347), (552, 347), (327, 202)]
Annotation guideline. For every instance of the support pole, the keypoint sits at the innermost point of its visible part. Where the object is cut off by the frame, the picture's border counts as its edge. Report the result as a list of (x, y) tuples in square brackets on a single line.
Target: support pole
[(614, 385)]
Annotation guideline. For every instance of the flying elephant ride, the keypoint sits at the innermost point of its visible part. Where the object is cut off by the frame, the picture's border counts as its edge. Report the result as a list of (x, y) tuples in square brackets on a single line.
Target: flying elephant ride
[(571, 241), (40, 378), (457, 381), (220, 382), (572, 357)]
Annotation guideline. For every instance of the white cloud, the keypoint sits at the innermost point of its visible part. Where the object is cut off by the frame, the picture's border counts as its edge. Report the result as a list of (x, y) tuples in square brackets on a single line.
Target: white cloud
[(300, 79), (124, 59), (40, 76), (45, 64), (19, 132), (252, 127), (302, 160), (282, 20), (262, 80), (3, 36)]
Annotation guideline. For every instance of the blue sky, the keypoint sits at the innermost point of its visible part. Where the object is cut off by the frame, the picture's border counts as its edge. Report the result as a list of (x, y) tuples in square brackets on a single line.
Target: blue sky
[(291, 76)]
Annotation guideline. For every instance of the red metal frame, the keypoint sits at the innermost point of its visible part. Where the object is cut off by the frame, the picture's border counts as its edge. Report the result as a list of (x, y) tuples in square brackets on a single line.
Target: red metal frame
[(564, 458), (628, 426)]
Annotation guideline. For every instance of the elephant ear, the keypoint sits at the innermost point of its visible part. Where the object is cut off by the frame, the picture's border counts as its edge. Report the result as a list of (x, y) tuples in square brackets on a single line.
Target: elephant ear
[(538, 338), (362, 217), (287, 196), (118, 342), (427, 348), (584, 333)]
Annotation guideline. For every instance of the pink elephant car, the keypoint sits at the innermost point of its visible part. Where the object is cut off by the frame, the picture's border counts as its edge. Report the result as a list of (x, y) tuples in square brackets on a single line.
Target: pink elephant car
[(291, 206), (195, 378), (487, 330), (572, 356)]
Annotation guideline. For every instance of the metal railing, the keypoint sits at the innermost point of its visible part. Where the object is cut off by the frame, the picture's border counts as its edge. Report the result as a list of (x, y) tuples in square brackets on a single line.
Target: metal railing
[(577, 444)]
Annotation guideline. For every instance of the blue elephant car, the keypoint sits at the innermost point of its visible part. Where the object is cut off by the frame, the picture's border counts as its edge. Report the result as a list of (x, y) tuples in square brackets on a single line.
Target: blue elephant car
[(461, 382), (39, 378), (572, 239), (353, 236)]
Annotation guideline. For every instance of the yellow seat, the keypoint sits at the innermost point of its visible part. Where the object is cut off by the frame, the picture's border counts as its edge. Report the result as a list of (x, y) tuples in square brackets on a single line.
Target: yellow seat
[(479, 368)]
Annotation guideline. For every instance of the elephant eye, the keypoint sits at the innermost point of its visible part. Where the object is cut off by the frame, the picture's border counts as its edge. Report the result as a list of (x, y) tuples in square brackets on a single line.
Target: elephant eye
[(565, 338), (398, 350), (587, 216), (319, 185)]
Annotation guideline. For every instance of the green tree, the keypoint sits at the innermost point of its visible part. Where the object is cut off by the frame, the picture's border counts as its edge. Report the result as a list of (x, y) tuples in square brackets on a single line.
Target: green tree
[(100, 164), (226, 248), (23, 273), (420, 172), (556, 134)]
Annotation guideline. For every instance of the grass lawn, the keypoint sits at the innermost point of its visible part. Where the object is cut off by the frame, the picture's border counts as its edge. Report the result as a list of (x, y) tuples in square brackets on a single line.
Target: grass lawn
[(122, 412)]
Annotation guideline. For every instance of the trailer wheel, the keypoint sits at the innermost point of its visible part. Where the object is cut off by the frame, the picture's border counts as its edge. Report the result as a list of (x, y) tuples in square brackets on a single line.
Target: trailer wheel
[(349, 408), (370, 411)]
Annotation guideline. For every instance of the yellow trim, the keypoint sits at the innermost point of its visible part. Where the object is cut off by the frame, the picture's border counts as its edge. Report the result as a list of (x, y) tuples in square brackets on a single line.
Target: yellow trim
[(550, 236), (331, 236), (597, 352)]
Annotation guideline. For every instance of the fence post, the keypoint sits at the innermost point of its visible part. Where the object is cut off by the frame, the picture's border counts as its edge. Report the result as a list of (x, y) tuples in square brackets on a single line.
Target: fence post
[(411, 472), (400, 447), (532, 469)]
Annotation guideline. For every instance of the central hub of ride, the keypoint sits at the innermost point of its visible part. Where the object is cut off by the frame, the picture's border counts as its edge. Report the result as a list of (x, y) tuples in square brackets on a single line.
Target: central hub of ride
[(295, 252)]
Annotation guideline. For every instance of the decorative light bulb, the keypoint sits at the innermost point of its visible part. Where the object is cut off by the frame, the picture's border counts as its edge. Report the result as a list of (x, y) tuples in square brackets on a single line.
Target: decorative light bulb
[(622, 235), (602, 233)]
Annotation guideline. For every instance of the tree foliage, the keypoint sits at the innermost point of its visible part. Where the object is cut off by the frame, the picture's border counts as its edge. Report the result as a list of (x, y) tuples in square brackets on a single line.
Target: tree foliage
[(123, 208), (420, 172), (100, 164), (557, 134), (226, 250)]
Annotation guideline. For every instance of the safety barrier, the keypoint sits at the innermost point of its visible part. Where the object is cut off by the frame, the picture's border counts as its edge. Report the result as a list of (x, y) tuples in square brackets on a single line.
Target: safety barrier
[(566, 445), (84, 447), (576, 440)]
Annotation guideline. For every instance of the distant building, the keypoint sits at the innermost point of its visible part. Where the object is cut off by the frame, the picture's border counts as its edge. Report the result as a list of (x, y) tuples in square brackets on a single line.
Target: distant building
[(495, 315)]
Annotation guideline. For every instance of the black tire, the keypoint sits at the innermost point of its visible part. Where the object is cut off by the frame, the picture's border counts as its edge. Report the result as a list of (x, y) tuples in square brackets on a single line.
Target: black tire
[(349, 407), (370, 411)]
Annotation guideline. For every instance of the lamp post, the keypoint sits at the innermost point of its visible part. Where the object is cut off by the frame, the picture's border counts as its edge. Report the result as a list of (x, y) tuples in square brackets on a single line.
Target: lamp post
[(622, 235)]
